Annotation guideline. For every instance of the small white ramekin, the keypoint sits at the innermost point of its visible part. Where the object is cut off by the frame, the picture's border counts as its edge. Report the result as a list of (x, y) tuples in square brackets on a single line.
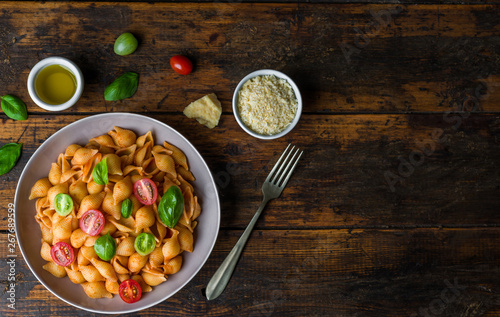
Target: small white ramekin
[(55, 61), (278, 74)]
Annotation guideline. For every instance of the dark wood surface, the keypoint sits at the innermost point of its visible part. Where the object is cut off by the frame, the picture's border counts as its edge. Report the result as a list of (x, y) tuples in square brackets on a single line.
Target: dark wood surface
[(358, 231)]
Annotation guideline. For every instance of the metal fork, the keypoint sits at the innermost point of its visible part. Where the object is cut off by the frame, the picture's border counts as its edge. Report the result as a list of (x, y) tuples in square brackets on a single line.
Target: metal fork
[(272, 188)]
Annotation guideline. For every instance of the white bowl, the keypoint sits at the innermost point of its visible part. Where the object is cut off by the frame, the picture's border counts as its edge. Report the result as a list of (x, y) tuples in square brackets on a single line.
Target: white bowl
[(55, 61), (28, 231), (295, 90)]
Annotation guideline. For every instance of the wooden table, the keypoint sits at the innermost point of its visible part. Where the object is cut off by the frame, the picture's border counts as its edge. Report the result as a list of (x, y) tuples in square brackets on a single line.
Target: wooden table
[(394, 208)]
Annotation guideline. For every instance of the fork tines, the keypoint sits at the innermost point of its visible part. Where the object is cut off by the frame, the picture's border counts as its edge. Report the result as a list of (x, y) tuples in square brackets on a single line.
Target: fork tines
[(285, 165)]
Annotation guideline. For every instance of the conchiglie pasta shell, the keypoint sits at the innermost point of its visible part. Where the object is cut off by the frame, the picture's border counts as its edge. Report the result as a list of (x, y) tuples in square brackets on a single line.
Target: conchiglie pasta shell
[(70, 150), (126, 247), (144, 287), (122, 190), (124, 277), (45, 251), (143, 139), (112, 286), (109, 207), (62, 230), (96, 290), (81, 259), (136, 262), (40, 189), (156, 257), (78, 238), (82, 156), (78, 191), (108, 228), (55, 174), (165, 163), (88, 252), (75, 276), (94, 188), (178, 155), (105, 269), (187, 175), (120, 268), (88, 167), (54, 190), (47, 235), (90, 202), (173, 266), (114, 164), (54, 269), (126, 225), (153, 279), (172, 247), (91, 274), (185, 238), (142, 154), (103, 140), (144, 218), (197, 209), (90, 241), (123, 137)]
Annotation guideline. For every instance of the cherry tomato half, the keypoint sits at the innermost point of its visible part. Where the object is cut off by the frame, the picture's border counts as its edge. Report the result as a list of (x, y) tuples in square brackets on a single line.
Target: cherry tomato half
[(145, 191), (92, 222), (181, 64), (62, 254), (63, 204), (130, 291)]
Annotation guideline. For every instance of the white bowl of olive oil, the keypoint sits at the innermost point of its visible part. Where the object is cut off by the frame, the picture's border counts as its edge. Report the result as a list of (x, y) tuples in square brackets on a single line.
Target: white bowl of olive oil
[(55, 83)]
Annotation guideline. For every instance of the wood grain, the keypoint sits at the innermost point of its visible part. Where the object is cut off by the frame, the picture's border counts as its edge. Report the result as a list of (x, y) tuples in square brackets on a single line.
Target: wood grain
[(404, 58), (341, 181), (328, 272)]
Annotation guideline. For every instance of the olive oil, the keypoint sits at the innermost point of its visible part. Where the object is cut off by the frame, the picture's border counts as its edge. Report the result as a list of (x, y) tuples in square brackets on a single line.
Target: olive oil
[(55, 84)]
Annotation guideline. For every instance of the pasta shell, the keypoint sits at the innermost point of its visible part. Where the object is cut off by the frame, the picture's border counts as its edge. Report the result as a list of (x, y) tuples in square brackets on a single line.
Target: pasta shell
[(46, 233), (123, 277), (178, 155), (83, 155), (54, 269), (142, 154), (78, 238), (40, 189), (94, 188), (136, 204), (103, 140), (126, 225), (91, 274), (185, 238), (122, 190), (126, 247), (173, 266), (45, 251), (144, 218), (144, 287), (197, 209), (143, 139), (78, 191), (112, 286), (187, 175), (165, 163), (114, 164), (75, 276), (109, 207), (118, 266), (167, 183), (96, 290), (108, 228), (133, 170), (54, 190), (136, 262), (89, 166), (172, 247), (90, 202), (122, 137), (105, 269), (90, 241), (81, 259), (153, 279), (55, 174), (62, 230), (70, 150), (88, 252), (156, 257)]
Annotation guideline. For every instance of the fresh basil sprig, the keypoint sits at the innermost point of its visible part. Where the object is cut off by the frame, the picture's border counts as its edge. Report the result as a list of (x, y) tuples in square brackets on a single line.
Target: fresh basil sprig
[(123, 87), (100, 172), (14, 107), (9, 154), (171, 206)]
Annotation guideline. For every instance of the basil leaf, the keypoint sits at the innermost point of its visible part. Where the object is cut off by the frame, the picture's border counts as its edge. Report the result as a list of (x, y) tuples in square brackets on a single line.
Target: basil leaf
[(100, 172), (123, 87), (14, 107), (9, 154), (126, 209), (105, 247), (171, 206)]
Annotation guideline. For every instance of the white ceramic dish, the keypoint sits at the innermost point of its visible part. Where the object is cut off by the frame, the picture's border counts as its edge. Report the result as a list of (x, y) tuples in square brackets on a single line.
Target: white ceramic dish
[(55, 61), (28, 231), (295, 90)]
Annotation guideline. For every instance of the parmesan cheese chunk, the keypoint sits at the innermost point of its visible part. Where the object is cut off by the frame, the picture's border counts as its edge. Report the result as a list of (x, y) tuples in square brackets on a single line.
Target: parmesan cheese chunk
[(206, 110)]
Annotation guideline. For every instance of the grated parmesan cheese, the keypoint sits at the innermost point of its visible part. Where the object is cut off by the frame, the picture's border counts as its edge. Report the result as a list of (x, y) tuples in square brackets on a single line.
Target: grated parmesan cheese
[(267, 104)]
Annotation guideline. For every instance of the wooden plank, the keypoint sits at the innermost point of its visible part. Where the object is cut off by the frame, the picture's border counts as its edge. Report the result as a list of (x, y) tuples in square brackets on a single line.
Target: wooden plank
[(342, 181), (328, 273), (409, 58)]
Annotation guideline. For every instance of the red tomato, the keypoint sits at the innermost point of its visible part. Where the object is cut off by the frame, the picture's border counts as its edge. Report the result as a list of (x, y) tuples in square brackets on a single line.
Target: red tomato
[(181, 64), (62, 254), (145, 191), (92, 222), (130, 291)]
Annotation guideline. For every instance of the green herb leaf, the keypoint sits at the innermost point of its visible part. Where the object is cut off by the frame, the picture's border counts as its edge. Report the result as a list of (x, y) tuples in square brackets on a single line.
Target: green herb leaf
[(126, 209), (105, 247), (100, 172), (171, 206), (14, 107), (123, 87), (9, 154)]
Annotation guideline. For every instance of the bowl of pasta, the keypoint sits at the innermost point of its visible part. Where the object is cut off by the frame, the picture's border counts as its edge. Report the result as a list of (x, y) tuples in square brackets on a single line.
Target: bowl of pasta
[(116, 212)]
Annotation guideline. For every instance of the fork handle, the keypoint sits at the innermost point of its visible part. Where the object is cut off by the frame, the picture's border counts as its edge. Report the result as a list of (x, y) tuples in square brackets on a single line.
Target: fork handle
[(221, 277)]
